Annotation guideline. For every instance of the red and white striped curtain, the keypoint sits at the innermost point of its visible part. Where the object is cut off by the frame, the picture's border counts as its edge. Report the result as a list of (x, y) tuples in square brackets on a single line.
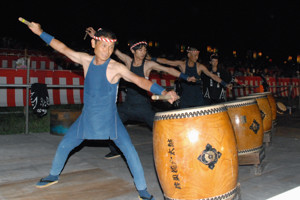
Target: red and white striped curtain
[(11, 97)]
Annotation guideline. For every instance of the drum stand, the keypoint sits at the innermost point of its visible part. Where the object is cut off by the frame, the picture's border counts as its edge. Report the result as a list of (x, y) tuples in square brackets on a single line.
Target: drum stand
[(253, 158), (268, 135)]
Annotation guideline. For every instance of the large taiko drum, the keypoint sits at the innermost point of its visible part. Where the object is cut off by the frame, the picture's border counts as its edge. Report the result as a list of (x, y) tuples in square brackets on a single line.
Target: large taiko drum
[(272, 102), (265, 109), (195, 153), (247, 124)]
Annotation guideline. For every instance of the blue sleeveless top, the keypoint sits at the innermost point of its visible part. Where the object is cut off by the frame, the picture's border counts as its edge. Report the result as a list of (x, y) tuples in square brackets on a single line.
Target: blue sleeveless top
[(99, 115)]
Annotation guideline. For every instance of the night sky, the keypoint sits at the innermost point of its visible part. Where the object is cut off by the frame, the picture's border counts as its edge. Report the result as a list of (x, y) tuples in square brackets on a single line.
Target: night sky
[(270, 27)]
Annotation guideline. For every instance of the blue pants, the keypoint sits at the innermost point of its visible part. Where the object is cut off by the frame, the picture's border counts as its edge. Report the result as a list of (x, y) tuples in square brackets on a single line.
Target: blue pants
[(123, 142)]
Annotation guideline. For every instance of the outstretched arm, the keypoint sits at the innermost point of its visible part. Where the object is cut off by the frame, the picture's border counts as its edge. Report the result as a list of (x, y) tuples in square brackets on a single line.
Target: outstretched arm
[(146, 84), (215, 77), (172, 71), (173, 63), (56, 44)]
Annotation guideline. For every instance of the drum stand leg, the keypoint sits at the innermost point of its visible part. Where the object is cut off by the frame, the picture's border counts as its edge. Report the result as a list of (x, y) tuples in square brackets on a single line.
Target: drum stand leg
[(258, 169), (254, 159), (267, 138)]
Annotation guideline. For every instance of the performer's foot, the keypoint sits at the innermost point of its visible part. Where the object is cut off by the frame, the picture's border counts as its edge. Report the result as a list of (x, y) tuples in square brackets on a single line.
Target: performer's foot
[(146, 198), (47, 181), (144, 195), (112, 155)]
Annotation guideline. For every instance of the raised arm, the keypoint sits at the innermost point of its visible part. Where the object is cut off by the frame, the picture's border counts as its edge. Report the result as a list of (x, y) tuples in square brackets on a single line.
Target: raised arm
[(77, 57), (123, 57)]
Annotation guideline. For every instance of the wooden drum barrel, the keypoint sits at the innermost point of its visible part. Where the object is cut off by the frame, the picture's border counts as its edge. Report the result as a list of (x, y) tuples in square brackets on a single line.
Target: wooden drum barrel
[(195, 153), (247, 124), (265, 109), (272, 102), (61, 120)]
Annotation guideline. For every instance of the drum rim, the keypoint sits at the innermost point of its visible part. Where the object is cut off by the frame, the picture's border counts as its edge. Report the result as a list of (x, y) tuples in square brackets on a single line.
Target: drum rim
[(241, 102), (253, 96), (190, 112)]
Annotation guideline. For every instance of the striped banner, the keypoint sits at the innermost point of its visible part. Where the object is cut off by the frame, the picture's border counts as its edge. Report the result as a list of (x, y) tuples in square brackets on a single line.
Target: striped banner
[(11, 97), (36, 62)]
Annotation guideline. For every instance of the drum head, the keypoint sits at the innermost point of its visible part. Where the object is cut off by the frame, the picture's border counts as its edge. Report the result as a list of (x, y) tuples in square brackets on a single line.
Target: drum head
[(281, 106)]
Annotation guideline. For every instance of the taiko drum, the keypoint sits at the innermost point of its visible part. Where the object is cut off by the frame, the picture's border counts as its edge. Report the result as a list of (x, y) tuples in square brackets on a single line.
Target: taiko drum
[(272, 102), (195, 153), (265, 110), (247, 124)]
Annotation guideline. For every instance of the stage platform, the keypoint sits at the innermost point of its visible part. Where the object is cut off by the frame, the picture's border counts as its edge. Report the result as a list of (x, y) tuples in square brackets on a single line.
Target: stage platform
[(24, 159)]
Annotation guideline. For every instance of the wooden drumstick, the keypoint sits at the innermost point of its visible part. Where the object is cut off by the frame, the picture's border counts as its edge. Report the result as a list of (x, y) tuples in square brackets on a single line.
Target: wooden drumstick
[(161, 97), (85, 35), (24, 21)]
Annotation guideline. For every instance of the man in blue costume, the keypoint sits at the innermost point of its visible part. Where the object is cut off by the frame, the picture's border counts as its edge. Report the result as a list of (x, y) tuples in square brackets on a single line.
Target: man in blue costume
[(99, 118), (192, 94), (137, 106)]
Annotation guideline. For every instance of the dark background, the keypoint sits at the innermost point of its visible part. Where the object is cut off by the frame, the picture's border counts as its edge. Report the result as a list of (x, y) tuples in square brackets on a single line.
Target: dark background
[(266, 26)]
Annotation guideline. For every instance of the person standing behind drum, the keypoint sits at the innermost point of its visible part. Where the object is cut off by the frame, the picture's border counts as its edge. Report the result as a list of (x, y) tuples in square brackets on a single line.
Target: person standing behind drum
[(192, 94), (213, 91), (137, 105)]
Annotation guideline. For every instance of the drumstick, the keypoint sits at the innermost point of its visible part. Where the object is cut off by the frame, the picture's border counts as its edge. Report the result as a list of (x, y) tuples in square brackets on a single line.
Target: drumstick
[(24, 21), (161, 97), (85, 35)]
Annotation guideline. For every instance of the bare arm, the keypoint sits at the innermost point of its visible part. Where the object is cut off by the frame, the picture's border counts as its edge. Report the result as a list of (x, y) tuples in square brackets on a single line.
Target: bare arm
[(169, 70), (123, 57), (142, 82), (174, 63), (213, 76), (158, 67), (77, 57)]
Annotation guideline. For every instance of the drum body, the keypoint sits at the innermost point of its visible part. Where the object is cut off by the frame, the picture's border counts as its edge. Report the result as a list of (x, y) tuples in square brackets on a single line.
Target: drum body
[(265, 109), (272, 103), (247, 124), (195, 153)]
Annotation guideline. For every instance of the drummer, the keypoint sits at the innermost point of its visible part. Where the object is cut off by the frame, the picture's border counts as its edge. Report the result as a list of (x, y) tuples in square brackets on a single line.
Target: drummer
[(137, 106), (99, 118), (192, 94), (215, 92)]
